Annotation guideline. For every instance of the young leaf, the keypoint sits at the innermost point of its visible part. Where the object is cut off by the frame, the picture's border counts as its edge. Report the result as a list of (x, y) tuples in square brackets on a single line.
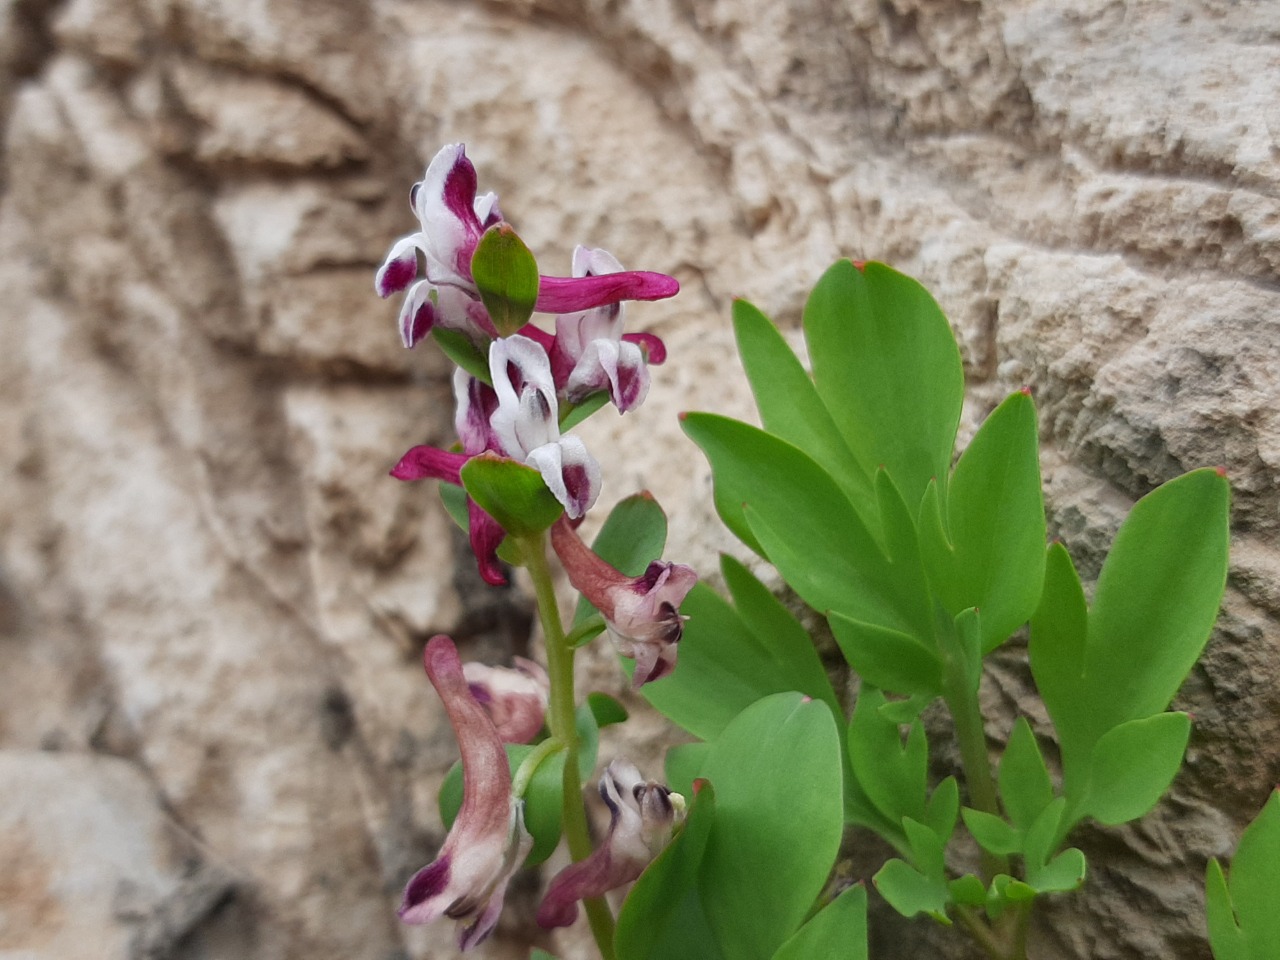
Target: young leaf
[(943, 808), (886, 365), (654, 923), (992, 833), (893, 775), (506, 275), (1062, 874), (909, 891), (779, 819), (513, 494), (633, 536), (1059, 633), (1025, 787), (454, 499), (1244, 923), (991, 554), (1133, 765), (790, 407), (837, 930), (459, 348)]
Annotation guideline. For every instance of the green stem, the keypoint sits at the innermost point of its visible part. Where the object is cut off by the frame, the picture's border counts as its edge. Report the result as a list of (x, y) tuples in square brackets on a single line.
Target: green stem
[(967, 717), (561, 719), (981, 933)]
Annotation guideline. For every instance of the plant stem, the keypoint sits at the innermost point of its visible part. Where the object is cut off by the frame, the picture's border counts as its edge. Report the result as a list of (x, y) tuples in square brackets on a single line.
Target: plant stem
[(967, 717), (981, 933), (564, 728)]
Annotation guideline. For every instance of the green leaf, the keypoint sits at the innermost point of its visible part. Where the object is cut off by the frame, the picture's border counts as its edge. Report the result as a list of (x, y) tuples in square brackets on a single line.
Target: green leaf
[(787, 508), (459, 348), (837, 930), (1225, 936), (513, 494), (572, 414), (1157, 598), (902, 545), (790, 407), (910, 892), (943, 809), (793, 657), (991, 554), (1025, 787), (1062, 874), (779, 819), (894, 775), (1254, 880), (1133, 765), (632, 536), (1059, 633), (731, 657), (968, 891), (927, 849), (662, 918), (886, 365), (1042, 836), (683, 765), (542, 800), (537, 954), (454, 499), (887, 658), (506, 275), (993, 834), (606, 709)]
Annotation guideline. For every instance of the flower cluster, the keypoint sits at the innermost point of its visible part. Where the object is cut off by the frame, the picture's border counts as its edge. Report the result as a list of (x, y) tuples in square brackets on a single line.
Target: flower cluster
[(515, 386)]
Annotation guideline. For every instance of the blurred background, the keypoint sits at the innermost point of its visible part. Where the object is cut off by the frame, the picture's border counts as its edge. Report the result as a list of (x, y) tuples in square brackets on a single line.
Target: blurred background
[(215, 737)]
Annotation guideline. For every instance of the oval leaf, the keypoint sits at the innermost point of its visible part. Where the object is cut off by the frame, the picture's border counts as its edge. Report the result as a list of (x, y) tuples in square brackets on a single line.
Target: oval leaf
[(506, 275), (513, 494)]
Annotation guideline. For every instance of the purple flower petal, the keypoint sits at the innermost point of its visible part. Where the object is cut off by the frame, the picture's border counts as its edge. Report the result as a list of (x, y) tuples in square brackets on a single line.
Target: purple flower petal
[(417, 314), (423, 462), (399, 268), (655, 350), (572, 294)]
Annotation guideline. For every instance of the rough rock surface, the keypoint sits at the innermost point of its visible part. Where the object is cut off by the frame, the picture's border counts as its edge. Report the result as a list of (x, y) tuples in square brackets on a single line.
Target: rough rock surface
[(212, 599)]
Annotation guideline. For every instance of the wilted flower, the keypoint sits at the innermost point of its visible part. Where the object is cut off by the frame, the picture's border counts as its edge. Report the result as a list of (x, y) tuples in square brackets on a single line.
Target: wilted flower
[(642, 815), (515, 699), (641, 613), (488, 842)]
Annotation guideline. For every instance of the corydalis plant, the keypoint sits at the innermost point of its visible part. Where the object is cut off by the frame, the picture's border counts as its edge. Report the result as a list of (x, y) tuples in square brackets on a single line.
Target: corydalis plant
[(472, 285)]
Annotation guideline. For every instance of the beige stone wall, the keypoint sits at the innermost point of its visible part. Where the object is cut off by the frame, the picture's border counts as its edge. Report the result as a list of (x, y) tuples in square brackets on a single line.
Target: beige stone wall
[(215, 738)]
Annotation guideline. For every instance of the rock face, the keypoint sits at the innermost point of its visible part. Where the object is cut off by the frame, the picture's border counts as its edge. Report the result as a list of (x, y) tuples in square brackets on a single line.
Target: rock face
[(215, 739)]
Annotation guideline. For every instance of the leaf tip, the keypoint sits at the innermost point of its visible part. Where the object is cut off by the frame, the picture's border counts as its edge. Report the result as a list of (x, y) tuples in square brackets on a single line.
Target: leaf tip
[(859, 265), (1221, 471), (1025, 390), (698, 785)]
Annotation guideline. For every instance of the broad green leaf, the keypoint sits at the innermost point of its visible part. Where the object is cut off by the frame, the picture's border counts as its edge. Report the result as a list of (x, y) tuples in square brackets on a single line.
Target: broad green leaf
[(794, 659), (1157, 598), (968, 891), (506, 276), (1025, 787), (927, 849), (887, 658), (632, 536), (790, 407), (1041, 838), (537, 954), (683, 765), (837, 930), (459, 348), (909, 891), (798, 516), (991, 554), (902, 545), (886, 365), (1132, 766), (993, 834), (894, 775), (905, 711), (662, 917), (513, 494), (779, 818), (1254, 880)]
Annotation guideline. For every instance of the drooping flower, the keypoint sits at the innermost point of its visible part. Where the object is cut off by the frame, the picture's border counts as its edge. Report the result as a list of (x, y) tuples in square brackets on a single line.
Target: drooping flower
[(641, 613), (451, 220), (642, 815), (515, 698), (488, 842), (527, 427)]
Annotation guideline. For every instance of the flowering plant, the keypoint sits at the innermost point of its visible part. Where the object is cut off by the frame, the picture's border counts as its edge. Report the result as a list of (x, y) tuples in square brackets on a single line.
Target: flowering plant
[(919, 562)]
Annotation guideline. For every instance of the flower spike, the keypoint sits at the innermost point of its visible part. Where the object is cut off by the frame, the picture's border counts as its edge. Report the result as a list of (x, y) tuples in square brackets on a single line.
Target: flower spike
[(468, 879)]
